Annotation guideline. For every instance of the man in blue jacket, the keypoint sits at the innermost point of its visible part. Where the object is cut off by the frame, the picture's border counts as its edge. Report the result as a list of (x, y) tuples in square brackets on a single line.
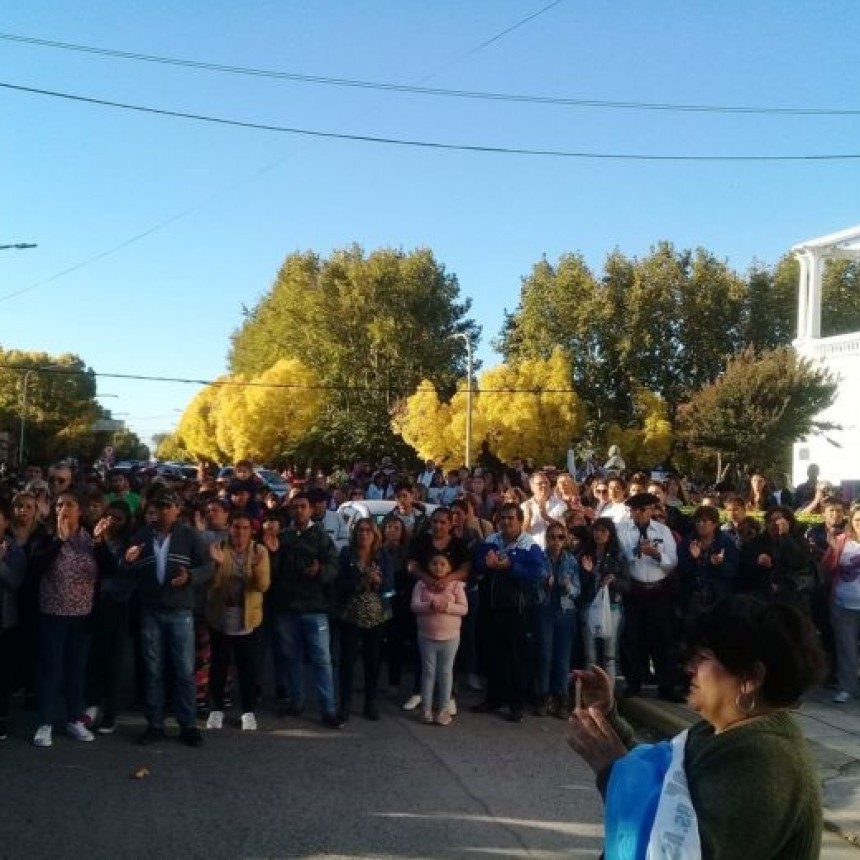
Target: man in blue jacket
[(167, 559), (510, 567)]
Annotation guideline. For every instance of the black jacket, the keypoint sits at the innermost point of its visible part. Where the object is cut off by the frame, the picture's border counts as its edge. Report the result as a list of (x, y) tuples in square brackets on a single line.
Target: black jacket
[(292, 589), (187, 549)]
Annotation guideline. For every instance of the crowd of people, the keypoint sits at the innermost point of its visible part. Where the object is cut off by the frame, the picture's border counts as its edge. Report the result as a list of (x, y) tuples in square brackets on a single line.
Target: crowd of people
[(501, 580)]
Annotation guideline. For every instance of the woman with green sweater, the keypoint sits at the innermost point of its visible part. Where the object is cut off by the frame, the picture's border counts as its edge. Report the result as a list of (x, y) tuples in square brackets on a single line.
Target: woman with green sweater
[(740, 783)]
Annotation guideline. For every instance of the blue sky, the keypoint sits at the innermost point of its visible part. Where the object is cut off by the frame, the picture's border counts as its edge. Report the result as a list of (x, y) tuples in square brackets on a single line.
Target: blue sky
[(231, 203)]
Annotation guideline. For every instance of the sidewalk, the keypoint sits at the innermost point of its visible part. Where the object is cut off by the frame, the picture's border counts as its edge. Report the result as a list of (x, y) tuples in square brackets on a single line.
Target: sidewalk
[(833, 734)]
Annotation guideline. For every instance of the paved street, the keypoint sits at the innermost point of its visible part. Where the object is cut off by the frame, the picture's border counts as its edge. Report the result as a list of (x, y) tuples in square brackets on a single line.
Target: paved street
[(482, 787)]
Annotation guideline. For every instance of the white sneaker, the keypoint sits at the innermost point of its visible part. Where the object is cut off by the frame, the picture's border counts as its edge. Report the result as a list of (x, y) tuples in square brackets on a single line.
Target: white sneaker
[(474, 682), (411, 703), (452, 707), (91, 715), (42, 738), (216, 720), (249, 722), (841, 697), (79, 732)]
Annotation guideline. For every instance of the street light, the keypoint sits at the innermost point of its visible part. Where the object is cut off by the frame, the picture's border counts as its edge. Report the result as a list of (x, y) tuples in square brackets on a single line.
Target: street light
[(468, 342), (27, 375)]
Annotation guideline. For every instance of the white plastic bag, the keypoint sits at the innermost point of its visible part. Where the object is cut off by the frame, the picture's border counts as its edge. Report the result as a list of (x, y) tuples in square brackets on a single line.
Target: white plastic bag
[(599, 618)]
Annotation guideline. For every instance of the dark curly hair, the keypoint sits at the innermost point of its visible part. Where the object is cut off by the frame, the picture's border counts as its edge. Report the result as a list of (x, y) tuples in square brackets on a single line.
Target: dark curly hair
[(744, 633)]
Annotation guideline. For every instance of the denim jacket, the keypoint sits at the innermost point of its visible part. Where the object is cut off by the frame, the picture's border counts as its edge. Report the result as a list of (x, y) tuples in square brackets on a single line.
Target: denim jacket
[(564, 570)]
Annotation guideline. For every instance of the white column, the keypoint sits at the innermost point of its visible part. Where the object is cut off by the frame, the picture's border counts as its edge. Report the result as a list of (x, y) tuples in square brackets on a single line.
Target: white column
[(802, 295), (814, 313)]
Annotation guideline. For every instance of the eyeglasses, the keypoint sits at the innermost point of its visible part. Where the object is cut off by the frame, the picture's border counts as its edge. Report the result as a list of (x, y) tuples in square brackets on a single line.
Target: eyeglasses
[(556, 537), (601, 489)]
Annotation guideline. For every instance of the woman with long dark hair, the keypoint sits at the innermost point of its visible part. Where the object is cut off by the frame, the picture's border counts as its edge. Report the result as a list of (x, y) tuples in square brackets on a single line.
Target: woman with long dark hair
[(66, 567), (364, 586), (603, 568)]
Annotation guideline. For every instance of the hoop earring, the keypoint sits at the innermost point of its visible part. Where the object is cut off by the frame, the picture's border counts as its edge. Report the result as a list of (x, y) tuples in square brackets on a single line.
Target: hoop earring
[(745, 703)]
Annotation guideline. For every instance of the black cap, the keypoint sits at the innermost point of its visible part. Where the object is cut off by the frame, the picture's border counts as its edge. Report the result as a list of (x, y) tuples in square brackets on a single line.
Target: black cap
[(163, 498), (642, 500), (238, 486)]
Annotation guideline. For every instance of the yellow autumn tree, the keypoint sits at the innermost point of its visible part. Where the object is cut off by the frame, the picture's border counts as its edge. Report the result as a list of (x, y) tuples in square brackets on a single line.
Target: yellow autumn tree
[(281, 405), (424, 422), (196, 430), (649, 443), (238, 417), (527, 410), (530, 409), (232, 428)]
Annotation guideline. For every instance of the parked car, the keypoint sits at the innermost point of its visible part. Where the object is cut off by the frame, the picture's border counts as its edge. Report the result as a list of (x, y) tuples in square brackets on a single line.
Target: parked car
[(378, 509), (268, 479), (182, 471)]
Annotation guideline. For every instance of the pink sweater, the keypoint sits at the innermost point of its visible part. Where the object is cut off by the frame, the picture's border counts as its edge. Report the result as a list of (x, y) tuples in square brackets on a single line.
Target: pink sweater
[(439, 612)]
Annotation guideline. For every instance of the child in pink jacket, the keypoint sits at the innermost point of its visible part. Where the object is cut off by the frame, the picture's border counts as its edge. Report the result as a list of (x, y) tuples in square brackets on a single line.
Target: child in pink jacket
[(438, 614)]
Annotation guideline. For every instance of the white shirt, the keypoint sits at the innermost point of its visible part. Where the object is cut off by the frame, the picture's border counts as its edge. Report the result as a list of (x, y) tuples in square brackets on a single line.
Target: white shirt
[(537, 525), (616, 511), (643, 568), (161, 550), (426, 478)]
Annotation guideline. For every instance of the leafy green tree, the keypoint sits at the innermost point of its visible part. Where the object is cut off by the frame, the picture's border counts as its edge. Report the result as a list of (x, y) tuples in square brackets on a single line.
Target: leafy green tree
[(840, 297), (770, 315), (169, 446), (60, 407), (126, 445), (526, 410), (369, 326), (758, 407), (664, 323)]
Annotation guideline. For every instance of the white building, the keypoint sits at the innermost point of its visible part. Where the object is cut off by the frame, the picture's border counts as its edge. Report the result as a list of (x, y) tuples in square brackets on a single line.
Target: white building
[(836, 452)]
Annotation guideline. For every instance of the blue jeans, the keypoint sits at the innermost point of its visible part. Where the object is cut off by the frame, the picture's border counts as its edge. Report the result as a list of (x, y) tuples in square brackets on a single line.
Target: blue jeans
[(556, 630), (437, 670), (169, 632), (64, 642), (294, 633)]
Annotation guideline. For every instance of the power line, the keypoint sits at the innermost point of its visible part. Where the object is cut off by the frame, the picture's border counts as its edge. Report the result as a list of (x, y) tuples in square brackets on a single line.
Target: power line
[(439, 91), (293, 386), (500, 35), (224, 189), (426, 144)]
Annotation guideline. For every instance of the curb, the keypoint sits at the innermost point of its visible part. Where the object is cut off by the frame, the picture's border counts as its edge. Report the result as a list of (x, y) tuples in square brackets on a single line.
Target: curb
[(667, 718)]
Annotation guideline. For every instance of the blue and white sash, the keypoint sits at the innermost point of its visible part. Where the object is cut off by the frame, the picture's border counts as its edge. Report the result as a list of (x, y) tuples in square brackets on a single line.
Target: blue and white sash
[(649, 814)]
